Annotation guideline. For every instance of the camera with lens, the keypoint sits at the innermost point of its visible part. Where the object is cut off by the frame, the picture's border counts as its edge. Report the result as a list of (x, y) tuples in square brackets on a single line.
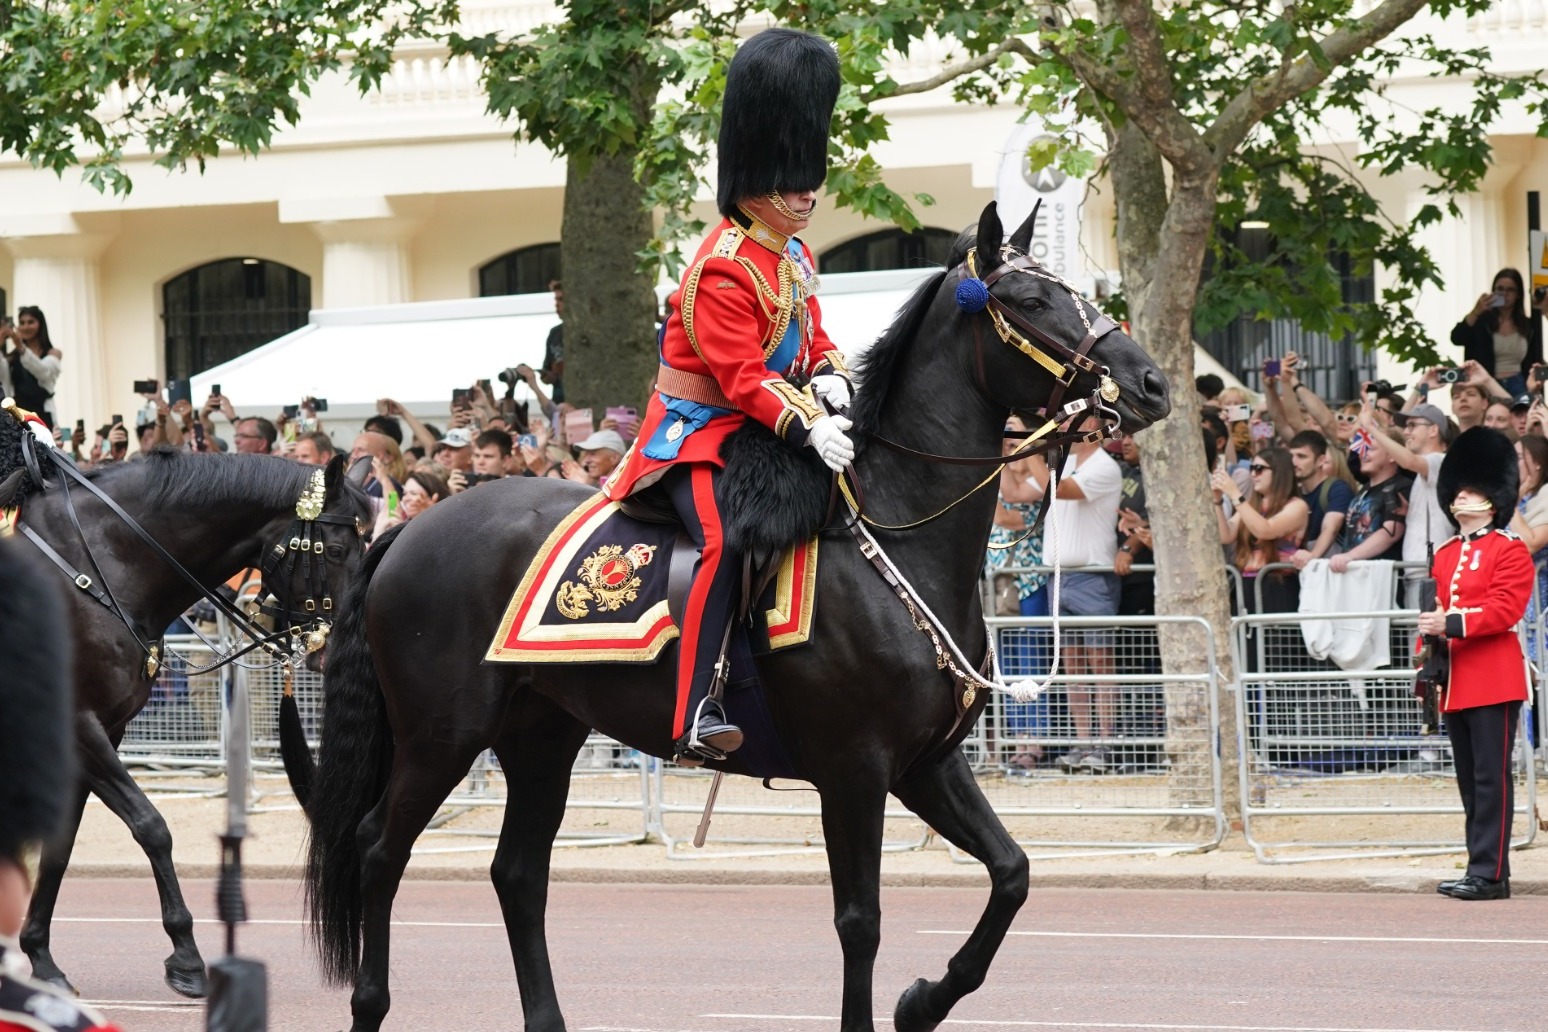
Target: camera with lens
[(510, 377), (1450, 376), (1381, 388)]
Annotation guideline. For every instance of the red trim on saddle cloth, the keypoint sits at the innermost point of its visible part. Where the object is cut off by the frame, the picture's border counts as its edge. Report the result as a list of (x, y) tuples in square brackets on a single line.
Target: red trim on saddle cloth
[(556, 613)]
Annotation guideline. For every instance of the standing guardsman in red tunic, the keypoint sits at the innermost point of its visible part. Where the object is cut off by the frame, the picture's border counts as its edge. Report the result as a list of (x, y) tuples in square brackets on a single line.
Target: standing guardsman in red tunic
[(1483, 579), (744, 335)]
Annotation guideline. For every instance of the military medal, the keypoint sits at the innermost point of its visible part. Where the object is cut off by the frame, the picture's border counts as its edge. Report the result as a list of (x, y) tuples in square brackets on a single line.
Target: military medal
[(675, 431)]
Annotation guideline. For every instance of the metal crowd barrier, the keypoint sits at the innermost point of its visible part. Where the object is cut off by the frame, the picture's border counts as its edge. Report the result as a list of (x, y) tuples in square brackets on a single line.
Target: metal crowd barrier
[(1343, 746), (1143, 776), (182, 725)]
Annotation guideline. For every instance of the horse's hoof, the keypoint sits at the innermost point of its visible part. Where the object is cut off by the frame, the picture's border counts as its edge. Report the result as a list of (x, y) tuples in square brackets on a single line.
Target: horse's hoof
[(188, 982), (910, 1015), (58, 981)]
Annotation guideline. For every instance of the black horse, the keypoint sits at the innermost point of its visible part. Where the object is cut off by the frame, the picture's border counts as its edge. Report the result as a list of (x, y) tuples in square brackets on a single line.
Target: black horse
[(862, 711), (216, 515)]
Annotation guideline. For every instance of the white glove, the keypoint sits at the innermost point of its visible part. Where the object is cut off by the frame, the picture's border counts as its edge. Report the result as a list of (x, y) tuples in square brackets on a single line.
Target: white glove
[(828, 438), (833, 387)]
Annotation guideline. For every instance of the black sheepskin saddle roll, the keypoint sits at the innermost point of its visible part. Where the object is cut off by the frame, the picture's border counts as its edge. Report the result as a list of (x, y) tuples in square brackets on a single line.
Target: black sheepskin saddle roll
[(771, 495)]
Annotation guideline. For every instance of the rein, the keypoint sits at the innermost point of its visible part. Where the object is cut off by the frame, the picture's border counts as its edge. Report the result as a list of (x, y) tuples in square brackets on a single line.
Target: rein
[(308, 511)]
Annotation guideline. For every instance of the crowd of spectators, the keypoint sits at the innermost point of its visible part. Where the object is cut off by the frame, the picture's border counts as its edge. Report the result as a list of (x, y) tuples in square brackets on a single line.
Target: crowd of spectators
[(1309, 494)]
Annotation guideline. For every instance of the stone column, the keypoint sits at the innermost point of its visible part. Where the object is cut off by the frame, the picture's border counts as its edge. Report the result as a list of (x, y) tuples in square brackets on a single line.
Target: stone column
[(56, 270), (365, 248)]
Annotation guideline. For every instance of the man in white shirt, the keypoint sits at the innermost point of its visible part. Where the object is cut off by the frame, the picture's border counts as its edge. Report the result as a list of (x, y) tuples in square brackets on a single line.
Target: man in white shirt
[(1086, 513), (1426, 433)]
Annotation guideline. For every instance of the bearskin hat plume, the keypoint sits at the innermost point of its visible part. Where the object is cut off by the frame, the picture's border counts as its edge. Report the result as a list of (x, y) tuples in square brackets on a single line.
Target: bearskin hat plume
[(774, 118), (37, 757), (1482, 460)]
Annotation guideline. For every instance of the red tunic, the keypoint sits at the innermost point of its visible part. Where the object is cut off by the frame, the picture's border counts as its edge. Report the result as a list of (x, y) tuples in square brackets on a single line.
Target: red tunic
[(1484, 582), (728, 318)]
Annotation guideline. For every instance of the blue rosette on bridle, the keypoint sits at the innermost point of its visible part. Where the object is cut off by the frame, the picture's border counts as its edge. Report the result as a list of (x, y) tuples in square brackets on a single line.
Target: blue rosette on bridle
[(972, 295)]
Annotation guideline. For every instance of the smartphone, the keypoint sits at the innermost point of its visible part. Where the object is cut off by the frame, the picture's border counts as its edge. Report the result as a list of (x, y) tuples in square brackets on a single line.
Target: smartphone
[(459, 397), (215, 390), (472, 479), (1450, 376), (527, 440), (147, 387), (319, 404), (578, 426), (1236, 413), (179, 390), (291, 411), (622, 413), (1262, 431), (1496, 300), (1271, 367), (198, 435), (80, 426), (116, 420), (1540, 373)]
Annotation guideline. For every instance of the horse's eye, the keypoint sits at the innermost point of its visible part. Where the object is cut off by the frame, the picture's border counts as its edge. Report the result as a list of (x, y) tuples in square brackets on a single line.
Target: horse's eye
[(335, 552)]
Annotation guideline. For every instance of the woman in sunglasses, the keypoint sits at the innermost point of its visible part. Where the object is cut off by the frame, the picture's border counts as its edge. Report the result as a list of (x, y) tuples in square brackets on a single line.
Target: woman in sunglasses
[(1265, 525)]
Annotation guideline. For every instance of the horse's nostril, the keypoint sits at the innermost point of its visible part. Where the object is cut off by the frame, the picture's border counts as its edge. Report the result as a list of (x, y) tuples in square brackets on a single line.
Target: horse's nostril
[(1154, 384)]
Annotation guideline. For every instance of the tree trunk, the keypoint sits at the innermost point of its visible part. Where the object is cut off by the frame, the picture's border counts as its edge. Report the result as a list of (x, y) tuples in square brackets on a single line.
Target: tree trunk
[(610, 306), (1161, 245)]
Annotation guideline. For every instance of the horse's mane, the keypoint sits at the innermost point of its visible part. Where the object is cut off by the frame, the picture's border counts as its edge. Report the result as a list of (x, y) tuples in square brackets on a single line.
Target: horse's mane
[(190, 480), (879, 364)]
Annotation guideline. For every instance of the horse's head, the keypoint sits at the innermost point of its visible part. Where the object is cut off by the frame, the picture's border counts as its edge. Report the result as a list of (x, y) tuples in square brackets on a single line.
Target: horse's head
[(307, 569), (1037, 330)]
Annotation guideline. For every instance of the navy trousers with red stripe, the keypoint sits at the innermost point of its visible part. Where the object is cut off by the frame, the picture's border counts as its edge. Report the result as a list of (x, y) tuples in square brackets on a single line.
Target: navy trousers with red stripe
[(713, 595), (1481, 741)]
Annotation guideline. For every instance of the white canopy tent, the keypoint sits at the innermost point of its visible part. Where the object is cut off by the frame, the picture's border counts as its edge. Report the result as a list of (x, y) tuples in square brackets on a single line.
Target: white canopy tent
[(417, 353)]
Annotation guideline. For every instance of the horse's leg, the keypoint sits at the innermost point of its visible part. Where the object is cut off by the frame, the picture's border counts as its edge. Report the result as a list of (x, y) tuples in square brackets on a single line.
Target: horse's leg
[(852, 817), (45, 894), (945, 794), (106, 777), (423, 775), (536, 752)]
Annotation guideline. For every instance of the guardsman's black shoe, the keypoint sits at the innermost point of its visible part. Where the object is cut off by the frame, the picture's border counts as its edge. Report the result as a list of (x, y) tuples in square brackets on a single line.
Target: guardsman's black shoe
[(712, 738), (1445, 887), (1473, 887)]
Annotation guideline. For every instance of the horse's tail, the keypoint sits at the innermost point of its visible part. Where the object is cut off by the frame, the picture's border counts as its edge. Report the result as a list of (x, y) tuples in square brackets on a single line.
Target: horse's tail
[(349, 777)]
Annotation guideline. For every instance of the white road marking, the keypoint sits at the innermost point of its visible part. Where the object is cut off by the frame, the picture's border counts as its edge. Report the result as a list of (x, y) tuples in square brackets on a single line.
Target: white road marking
[(1085, 1024), (1250, 938), (171, 1004), (274, 921)]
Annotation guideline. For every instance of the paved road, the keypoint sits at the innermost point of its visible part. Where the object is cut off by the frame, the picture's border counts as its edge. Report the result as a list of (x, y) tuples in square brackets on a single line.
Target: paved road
[(648, 958)]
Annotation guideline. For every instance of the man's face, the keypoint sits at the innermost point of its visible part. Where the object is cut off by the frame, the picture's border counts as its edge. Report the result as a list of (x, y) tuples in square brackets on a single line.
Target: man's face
[(1518, 419), (306, 451), (248, 440), (1466, 405), (600, 462), (1305, 462), (559, 303), (455, 458), (1130, 450), (1384, 407), (1377, 464), (147, 437), (1419, 435), (1497, 418), (488, 461)]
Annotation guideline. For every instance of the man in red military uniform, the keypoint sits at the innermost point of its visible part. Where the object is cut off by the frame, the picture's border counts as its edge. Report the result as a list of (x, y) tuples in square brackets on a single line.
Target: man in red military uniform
[(36, 782), (1483, 580), (744, 341)]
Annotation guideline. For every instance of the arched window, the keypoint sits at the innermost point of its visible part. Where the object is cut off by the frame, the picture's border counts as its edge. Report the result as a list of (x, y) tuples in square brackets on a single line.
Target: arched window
[(219, 311), (889, 249), (526, 270)]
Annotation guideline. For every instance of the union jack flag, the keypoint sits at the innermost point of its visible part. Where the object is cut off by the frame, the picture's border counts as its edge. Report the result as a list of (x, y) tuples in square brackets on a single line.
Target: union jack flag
[(1361, 443)]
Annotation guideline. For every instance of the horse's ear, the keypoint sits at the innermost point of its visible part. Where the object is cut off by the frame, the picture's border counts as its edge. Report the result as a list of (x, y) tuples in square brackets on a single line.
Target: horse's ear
[(333, 475), (359, 469), (1021, 240), (990, 235)]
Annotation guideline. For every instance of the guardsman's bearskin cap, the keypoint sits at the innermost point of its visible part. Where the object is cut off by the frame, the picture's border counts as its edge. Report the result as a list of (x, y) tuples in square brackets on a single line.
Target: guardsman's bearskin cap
[(37, 754), (774, 118), (1482, 460)]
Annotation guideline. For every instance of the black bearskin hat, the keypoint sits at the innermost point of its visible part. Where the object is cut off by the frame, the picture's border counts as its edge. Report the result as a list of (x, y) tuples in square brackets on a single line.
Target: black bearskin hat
[(774, 118), (37, 754), (1482, 460)]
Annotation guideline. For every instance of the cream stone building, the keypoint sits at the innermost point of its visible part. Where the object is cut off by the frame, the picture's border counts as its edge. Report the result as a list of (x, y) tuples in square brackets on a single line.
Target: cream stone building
[(414, 194)]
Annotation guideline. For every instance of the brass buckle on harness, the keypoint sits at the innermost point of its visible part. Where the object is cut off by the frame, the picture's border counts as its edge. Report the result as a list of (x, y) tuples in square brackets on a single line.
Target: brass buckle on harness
[(83, 582), (295, 544), (868, 549)]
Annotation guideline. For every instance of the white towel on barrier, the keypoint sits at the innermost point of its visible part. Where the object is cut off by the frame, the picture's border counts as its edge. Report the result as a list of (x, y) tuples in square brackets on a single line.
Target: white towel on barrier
[(1354, 643)]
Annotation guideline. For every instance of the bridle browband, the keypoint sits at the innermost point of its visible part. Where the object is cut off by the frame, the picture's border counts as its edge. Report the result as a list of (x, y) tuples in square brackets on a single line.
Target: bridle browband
[(1064, 363)]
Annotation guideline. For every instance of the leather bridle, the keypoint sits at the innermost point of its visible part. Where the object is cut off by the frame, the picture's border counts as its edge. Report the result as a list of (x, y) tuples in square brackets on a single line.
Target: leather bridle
[(1063, 362), (303, 620)]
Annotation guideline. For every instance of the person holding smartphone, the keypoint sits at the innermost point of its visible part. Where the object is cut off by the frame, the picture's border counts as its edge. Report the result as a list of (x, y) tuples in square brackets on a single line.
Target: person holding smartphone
[(32, 361), (1499, 335)]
